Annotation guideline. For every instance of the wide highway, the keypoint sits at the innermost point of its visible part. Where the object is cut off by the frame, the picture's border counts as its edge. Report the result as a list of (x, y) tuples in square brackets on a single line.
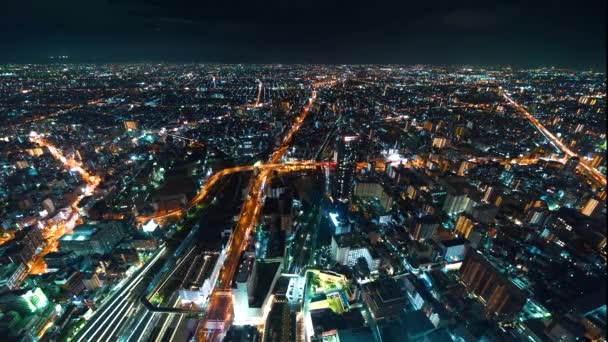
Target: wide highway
[(219, 309), (594, 174)]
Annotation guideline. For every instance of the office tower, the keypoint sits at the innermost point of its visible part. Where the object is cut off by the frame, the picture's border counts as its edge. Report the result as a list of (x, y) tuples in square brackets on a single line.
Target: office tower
[(452, 250), (345, 168), (91, 281), (241, 290)]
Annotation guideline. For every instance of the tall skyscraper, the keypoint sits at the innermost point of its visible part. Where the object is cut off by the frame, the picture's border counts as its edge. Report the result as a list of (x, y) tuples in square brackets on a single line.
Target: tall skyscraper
[(499, 295), (457, 201), (589, 208), (345, 168), (280, 324), (463, 168)]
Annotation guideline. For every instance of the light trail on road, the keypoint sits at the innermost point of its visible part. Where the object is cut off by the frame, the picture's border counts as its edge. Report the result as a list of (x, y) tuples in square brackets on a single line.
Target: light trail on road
[(220, 304), (257, 100), (59, 112), (51, 232), (201, 194), (204, 191), (594, 174)]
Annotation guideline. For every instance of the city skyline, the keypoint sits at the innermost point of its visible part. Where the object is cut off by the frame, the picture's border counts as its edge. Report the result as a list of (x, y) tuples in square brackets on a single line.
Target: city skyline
[(320, 171), (301, 203)]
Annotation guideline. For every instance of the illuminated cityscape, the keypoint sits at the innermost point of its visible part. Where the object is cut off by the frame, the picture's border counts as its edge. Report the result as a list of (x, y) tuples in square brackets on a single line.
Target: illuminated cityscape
[(168, 200)]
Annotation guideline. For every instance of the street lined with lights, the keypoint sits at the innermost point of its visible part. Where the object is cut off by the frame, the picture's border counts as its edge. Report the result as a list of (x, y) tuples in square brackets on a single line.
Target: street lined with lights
[(594, 174)]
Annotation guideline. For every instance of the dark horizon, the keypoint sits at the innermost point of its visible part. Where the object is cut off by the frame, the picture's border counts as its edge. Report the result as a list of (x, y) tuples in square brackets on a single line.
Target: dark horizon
[(72, 61), (518, 33)]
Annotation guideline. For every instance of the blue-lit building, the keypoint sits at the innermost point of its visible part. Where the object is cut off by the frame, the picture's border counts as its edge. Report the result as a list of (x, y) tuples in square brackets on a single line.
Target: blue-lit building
[(94, 238)]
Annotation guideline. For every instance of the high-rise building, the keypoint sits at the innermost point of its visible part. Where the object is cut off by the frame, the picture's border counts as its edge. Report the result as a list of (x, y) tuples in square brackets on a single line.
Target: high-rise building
[(12, 275), (484, 213), (471, 230), (24, 246), (459, 132), (425, 227), (280, 324), (478, 237), (91, 281), (70, 281), (499, 295), (385, 299), (388, 169), (463, 168), (589, 208), (345, 168), (94, 238), (374, 189), (25, 301), (452, 250), (490, 192), (457, 201), (341, 226), (439, 142), (348, 248), (536, 216), (242, 290), (252, 290), (130, 125)]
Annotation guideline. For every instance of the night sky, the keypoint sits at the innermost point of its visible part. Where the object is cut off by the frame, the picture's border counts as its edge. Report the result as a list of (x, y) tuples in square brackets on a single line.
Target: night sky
[(521, 33)]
